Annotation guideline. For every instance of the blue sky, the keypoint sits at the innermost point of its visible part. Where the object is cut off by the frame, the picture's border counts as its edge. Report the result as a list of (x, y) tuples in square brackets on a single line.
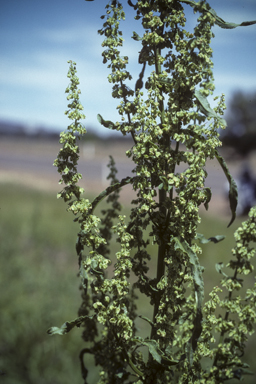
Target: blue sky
[(38, 37)]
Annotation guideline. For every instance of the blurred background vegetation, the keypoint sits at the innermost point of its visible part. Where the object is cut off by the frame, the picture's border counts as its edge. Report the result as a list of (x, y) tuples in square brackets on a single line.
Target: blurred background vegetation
[(38, 274), (240, 134), (40, 287)]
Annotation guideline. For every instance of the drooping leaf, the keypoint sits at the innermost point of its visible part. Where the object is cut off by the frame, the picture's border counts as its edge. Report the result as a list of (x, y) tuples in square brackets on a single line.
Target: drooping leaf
[(106, 123), (208, 193), (155, 351), (224, 24), (217, 239), (79, 246), (206, 109), (136, 37), (146, 319), (67, 326), (233, 194), (239, 372), (218, 20), (110, 189), (131, 5), (214, 239), (199, 295), (219, 267)]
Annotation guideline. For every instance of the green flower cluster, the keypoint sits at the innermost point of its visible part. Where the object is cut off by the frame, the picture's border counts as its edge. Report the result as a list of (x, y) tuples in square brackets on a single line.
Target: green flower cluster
[(68, 155), (224, 335), (174, 131)]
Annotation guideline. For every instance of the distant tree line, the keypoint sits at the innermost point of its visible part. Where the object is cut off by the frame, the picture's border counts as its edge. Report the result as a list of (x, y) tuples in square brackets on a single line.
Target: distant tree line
[(241, 123)]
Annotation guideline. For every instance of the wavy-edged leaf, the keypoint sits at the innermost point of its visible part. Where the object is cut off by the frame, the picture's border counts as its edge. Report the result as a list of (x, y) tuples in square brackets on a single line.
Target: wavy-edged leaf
[(239, 372), (155, 351), (218, 20), (206, 109), (208, 194), (233, 194), (219, 267), (136, 37), (106, 123), (224, 24), (110, 189), (67, 326), (79, 246), (196, 272), (146, 319), (214, 239), (131, 5)]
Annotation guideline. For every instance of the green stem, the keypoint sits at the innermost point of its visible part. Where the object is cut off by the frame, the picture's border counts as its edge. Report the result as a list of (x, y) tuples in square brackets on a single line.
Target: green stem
[(162, 198), (110, 189)]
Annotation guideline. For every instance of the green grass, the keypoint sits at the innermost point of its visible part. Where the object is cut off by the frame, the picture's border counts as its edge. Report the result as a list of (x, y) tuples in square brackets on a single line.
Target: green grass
[(40, 288)]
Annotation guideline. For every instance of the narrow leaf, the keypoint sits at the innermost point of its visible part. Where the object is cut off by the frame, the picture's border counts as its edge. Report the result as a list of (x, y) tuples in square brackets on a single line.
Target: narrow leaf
[(79, 246), (214, 239), (147, 320), (239, 372), (224, 24), (106, 123), (196, 272), (153, 349), (156, 352), (233, 194), (206, 109), (110, 189), (131, 4), (219, 267), (208, 193), (67, 326), (136, 37), (218, 20)]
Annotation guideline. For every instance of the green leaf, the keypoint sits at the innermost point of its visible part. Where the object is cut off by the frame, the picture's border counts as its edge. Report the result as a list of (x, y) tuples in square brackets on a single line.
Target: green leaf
[(208, 193), (79, 246), (110, 189), (219, 267), (136, 37), (217, 239), (239, 372), (205, 108), (164, 185), (156, 352), (153, 349), (106, 123), (196, 272), (233, 194), (147, 320), (223, 24), (214, 239), (67, 326), (218, 20)]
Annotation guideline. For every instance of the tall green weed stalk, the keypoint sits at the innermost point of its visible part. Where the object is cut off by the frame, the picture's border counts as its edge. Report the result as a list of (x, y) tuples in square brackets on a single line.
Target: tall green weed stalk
[(171, 122)]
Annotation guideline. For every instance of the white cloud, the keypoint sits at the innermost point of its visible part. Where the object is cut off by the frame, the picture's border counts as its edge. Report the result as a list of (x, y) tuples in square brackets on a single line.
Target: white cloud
[(33, 79)]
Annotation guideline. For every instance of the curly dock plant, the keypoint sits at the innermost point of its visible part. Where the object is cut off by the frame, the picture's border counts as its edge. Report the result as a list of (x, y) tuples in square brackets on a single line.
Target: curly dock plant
[(172, 124)]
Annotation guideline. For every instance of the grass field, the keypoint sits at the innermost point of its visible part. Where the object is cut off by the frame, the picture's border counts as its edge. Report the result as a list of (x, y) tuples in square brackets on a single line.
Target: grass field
[(40, 288)]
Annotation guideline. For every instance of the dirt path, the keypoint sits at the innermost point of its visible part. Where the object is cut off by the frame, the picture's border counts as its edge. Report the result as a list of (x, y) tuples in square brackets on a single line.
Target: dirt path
[(30, 162)]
